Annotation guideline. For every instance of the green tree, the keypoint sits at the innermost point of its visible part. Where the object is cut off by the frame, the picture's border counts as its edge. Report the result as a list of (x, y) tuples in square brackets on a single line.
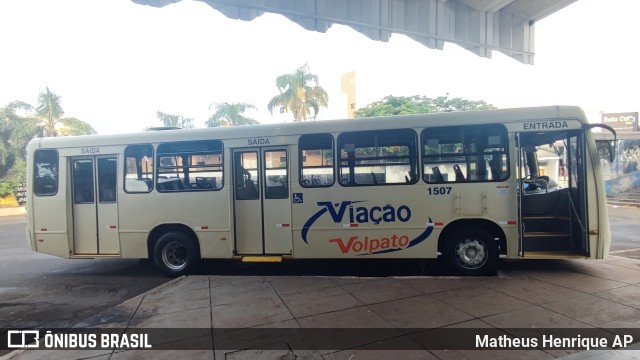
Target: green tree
[(174, 120), (299, 93), (45, 120), (230, 114), (12, 162), (8, 122), (417, 104)]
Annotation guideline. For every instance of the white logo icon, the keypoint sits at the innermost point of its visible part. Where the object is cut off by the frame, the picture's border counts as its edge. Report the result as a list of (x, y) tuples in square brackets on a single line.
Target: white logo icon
[(23, 339)]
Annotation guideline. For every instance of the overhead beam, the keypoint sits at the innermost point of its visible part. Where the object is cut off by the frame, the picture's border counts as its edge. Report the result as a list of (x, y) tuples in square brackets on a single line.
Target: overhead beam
[(480, 26)]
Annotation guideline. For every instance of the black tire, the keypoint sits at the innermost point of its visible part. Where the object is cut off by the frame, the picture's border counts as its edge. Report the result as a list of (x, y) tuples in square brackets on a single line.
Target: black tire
[(471, 252), (175, 254)]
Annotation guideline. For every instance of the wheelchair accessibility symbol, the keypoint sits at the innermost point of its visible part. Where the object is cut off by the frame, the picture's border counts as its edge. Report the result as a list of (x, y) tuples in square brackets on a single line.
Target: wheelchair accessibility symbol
[(297, 198)]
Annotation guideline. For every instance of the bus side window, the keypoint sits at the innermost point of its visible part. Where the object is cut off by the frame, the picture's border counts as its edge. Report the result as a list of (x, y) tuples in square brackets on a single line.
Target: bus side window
[(378, 157), (107, 173), (45, 173), (316, 160), (190, 166), (138, 169), (83, 190), (246, 180), (458, 154)]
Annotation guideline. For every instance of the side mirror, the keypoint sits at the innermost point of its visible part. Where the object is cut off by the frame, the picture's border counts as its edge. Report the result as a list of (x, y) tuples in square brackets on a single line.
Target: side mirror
[(606, 149), (609, 145)]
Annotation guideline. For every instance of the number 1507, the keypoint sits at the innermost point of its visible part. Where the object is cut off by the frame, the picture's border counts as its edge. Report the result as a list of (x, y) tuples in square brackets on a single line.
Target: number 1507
[(442, 190)]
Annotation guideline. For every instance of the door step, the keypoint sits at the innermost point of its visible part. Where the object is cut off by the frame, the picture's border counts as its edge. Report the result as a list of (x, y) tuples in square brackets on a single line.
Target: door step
[(546, 241), (552, 255), (545, 234), (545, 224), (95, 256), (263, 259)]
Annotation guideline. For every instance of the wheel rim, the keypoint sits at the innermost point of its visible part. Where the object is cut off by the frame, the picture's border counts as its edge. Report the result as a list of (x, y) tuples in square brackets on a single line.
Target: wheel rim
[(174, 255), (471, 253)]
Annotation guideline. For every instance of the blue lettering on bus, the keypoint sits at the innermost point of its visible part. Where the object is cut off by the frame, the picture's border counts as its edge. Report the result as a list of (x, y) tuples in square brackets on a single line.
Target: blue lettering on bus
[(362, 214), (355, 214)]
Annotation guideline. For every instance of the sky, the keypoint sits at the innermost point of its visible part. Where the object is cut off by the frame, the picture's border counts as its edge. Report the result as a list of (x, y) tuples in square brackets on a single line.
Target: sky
[(115, 63)]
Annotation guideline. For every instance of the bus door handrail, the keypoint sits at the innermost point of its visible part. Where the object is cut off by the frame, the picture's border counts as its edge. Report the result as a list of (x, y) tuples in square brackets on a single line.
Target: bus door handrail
[(575, 211)]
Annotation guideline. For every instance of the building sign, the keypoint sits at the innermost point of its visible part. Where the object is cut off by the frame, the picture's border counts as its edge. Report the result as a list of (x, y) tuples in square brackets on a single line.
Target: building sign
[(21, 193), (622, 122)]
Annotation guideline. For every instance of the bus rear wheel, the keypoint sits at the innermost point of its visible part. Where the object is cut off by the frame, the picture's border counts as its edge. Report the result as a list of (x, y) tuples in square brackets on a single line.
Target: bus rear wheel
[(175, 254), (471, 252)]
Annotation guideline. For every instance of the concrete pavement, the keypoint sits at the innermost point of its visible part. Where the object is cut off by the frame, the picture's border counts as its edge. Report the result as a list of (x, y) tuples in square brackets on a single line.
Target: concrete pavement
[(526, 295)]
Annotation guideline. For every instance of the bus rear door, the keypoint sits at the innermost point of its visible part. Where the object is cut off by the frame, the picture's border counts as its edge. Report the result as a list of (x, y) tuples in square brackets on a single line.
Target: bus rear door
[(262, 206), (95, 208)]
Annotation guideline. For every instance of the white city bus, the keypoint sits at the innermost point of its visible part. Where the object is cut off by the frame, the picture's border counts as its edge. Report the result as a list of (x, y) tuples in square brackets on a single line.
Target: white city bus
[(469, 187)]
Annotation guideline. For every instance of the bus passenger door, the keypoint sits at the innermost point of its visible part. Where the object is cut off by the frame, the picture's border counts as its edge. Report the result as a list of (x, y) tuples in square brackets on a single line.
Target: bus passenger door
[(261, 201), (95, 208), (552, 197)]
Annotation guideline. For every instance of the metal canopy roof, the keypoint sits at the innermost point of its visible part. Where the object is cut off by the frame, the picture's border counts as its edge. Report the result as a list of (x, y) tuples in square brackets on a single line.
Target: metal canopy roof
[(479, 26)]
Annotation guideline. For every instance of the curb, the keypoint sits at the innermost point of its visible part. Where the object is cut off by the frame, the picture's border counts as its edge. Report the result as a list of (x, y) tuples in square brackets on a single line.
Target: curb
[(13, 211)]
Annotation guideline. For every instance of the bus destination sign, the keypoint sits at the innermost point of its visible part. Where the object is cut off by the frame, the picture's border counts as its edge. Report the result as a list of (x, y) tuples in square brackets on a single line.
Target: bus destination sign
[(89, 150)]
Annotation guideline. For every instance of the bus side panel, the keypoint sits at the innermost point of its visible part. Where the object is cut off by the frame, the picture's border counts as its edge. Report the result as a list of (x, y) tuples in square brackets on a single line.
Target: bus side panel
[(402, 221), (50, 216), (133, 245), (214, 244), (359, 222), (492, 201), (206, 213), (214, 212)]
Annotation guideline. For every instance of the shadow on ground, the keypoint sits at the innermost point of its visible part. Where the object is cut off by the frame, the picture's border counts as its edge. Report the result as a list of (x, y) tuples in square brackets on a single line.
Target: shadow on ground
[(364, 267)]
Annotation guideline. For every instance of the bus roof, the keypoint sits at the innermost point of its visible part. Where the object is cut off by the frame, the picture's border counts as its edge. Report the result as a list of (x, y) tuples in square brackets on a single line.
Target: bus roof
[(504, 116)]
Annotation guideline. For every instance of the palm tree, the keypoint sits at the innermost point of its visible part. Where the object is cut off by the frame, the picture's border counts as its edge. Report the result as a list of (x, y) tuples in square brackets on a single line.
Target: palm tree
[(300, 93), (230, 114), (175, 120), (45, 120)]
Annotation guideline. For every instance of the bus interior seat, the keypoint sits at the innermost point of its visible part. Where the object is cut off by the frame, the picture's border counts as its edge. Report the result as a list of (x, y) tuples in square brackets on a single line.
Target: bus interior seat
[(135, 185), (459, 175), (170, 184), (542, 203), (410, 177), (251, 189), (276, 192), (551, 183), (147, 181), (494, 167), (374, 178), (437, 174), (204, 183)]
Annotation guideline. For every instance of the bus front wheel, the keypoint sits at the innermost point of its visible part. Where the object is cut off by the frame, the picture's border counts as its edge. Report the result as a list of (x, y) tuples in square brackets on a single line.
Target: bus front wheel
[(471, 252), (175, 254)]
